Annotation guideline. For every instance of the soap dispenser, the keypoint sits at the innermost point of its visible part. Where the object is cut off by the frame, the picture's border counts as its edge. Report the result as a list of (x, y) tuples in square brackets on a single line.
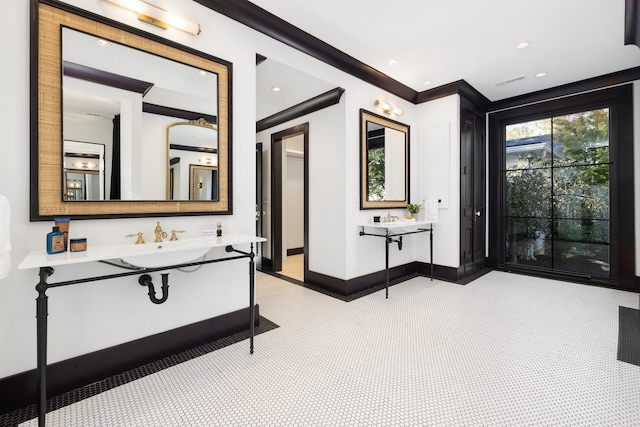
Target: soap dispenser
[(55, 241)]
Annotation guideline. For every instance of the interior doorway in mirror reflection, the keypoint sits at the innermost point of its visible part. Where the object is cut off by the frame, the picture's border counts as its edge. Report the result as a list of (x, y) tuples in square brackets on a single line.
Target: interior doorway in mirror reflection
[(84, 171)]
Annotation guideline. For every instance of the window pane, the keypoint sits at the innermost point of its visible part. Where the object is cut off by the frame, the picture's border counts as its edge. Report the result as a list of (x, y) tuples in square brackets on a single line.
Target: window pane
[(528, 242), (528, 193), (581, 192), (582, 138), (582, 246), (528, 144)]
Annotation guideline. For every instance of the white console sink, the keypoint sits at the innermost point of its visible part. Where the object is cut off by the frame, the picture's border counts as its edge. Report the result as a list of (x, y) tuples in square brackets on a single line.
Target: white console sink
[(400, 225), (147, 255)]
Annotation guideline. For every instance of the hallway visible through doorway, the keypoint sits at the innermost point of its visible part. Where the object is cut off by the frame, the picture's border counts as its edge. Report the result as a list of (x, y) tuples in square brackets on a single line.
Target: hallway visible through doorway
[(293, 266)]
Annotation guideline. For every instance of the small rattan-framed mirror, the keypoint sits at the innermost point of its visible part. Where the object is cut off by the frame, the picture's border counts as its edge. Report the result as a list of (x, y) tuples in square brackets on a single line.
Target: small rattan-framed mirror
[(384, 162)]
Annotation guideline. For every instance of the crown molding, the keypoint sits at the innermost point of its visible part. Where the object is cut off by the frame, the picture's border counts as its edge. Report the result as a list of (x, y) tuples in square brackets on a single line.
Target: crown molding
[(316, 103)]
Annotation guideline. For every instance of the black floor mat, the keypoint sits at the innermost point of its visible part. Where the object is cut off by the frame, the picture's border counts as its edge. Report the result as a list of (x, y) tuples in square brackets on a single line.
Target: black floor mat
[(629, 336)]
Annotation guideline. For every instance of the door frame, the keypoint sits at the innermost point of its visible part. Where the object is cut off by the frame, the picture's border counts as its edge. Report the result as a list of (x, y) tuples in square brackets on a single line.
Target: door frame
[(277, 197), (259, 206)]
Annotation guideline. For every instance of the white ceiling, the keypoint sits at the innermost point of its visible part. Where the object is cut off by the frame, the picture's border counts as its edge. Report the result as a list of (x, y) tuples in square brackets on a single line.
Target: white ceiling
[(295, 87), (445, 41)]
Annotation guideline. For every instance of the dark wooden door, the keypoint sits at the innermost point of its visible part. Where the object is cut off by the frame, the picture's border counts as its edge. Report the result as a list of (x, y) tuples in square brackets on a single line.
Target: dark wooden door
[(472, 192), (259, 207)]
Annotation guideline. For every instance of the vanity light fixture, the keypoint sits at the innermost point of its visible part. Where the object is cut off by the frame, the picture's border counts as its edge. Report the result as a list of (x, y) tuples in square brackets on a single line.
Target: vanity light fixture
[(157, 16), (387, 108), (84, 165)]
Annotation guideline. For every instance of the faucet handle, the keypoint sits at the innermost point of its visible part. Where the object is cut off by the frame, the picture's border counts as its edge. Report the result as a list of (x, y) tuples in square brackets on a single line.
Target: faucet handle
[(173, 234), (140, 239)]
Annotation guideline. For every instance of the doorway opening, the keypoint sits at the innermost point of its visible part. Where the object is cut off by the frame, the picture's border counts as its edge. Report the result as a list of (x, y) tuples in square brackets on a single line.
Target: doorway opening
[(289, 235)]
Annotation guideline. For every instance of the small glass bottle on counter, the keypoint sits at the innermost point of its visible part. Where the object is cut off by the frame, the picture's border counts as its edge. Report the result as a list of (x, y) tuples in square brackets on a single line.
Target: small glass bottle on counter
[(55, 241)]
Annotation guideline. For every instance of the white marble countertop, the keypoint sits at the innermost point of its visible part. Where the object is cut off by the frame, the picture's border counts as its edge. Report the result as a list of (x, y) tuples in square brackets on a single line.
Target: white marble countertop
[(37, 259)]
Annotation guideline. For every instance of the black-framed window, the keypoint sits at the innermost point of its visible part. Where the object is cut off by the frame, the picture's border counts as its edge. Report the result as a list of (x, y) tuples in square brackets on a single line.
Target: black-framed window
[(554, 165)]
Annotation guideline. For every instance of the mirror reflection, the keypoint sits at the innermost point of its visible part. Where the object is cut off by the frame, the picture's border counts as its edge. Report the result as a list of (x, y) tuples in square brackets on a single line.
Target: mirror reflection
[(84, 170), (384, 162), (193, 161), (124, 98), (203, 182)]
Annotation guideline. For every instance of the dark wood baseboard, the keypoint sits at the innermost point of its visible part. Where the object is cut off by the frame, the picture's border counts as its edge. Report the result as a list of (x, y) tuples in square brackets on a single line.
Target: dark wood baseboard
[(295, 251), (358, 284), (19, 390), (267, 264), (450, 274)]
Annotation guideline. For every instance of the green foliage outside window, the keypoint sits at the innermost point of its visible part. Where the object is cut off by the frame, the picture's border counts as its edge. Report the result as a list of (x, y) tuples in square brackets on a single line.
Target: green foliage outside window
[(375, 163)]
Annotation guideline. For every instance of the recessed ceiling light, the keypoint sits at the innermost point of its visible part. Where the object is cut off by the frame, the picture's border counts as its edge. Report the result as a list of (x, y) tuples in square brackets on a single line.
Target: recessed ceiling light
[(392, 62), (103, 43), (428, 82), (173, 101), (276, 89), (523, 45), (541, 74), (202, 73)]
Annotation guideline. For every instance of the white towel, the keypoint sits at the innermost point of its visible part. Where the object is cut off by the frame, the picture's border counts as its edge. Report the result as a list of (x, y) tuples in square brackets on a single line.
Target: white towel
[(431, 210), (5, 242)]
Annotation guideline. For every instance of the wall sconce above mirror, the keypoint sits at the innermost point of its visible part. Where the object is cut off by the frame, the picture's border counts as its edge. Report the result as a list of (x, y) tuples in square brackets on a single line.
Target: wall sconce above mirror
[(384, 162), (387, 108), (100, 82), (157, 16)]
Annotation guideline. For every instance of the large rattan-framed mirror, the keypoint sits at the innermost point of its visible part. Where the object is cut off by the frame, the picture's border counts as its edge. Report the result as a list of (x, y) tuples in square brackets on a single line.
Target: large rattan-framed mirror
[(54, 24), (384, 162)]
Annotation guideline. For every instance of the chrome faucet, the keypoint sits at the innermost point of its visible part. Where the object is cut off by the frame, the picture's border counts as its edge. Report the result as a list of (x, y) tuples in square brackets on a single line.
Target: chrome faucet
[(159, 233)]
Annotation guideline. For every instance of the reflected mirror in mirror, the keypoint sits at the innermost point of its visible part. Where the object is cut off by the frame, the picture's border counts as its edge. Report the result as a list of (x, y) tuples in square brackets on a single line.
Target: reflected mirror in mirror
[(193, 143), (384, 162), (98, 81), (203, 182)]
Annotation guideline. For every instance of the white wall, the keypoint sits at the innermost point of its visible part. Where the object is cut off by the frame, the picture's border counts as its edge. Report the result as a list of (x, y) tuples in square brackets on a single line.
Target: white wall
[(439, 138)]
